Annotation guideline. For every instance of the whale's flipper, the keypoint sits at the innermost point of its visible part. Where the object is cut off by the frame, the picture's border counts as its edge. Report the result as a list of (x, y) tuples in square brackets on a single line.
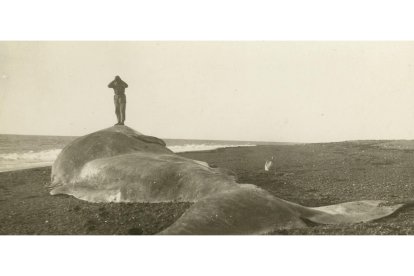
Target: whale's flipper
[(251, 210), (352, 212)]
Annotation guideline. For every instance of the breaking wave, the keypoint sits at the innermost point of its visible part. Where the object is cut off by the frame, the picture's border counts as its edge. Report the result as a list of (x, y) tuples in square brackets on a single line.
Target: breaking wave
[(44, 155)]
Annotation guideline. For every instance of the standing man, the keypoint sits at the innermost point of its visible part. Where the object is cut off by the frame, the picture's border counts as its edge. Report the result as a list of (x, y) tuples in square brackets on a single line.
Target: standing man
[(119, 98)]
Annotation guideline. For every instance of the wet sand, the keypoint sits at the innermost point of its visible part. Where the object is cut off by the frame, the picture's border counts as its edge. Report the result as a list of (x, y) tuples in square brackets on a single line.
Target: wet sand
[(308, 174)]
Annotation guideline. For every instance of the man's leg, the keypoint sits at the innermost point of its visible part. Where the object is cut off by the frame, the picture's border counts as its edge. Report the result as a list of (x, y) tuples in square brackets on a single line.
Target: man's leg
[(122, 111), (117, 112)]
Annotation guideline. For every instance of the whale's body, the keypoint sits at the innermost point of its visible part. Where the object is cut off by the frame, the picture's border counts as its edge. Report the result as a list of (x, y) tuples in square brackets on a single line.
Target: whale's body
[(118, 164)]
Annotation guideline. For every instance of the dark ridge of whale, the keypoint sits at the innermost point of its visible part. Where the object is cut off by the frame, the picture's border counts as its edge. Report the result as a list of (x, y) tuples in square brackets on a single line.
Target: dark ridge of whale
[(119, 164)]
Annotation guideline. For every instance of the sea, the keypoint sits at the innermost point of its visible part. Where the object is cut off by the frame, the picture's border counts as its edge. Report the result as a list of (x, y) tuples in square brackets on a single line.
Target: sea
[(30, 151)]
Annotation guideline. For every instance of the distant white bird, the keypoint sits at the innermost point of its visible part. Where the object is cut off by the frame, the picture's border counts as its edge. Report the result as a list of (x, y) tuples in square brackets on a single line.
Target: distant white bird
[(268, 164)]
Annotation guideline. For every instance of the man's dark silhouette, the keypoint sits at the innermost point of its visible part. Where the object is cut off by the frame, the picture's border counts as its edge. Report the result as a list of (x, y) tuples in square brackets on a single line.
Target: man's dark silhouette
[(119, 98)]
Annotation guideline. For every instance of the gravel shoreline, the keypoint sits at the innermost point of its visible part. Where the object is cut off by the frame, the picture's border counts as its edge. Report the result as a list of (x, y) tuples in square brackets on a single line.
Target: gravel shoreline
[(308, 174)]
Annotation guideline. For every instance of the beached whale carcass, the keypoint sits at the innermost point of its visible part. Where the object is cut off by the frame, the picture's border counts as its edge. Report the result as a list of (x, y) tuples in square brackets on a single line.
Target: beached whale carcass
[(119, 164)]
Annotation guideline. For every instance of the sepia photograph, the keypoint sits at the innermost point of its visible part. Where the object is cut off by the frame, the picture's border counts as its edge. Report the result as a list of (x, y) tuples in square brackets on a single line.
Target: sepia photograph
[(206, 138)]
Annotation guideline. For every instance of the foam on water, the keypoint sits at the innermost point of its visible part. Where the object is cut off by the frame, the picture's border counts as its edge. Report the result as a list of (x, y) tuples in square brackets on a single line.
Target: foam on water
[(44, 155), (30, 159)]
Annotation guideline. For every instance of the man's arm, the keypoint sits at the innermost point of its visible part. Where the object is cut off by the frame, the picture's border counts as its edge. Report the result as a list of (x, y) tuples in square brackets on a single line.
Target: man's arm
[(124, 84), (111, 84)]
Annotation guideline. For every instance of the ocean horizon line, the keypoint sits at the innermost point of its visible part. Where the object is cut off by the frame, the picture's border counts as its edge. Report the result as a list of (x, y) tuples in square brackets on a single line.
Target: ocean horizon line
[(163, 138), (235, 140)]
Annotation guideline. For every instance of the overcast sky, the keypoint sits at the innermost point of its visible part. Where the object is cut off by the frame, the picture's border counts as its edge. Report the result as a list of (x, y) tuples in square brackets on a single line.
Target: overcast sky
[(262, 91)]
